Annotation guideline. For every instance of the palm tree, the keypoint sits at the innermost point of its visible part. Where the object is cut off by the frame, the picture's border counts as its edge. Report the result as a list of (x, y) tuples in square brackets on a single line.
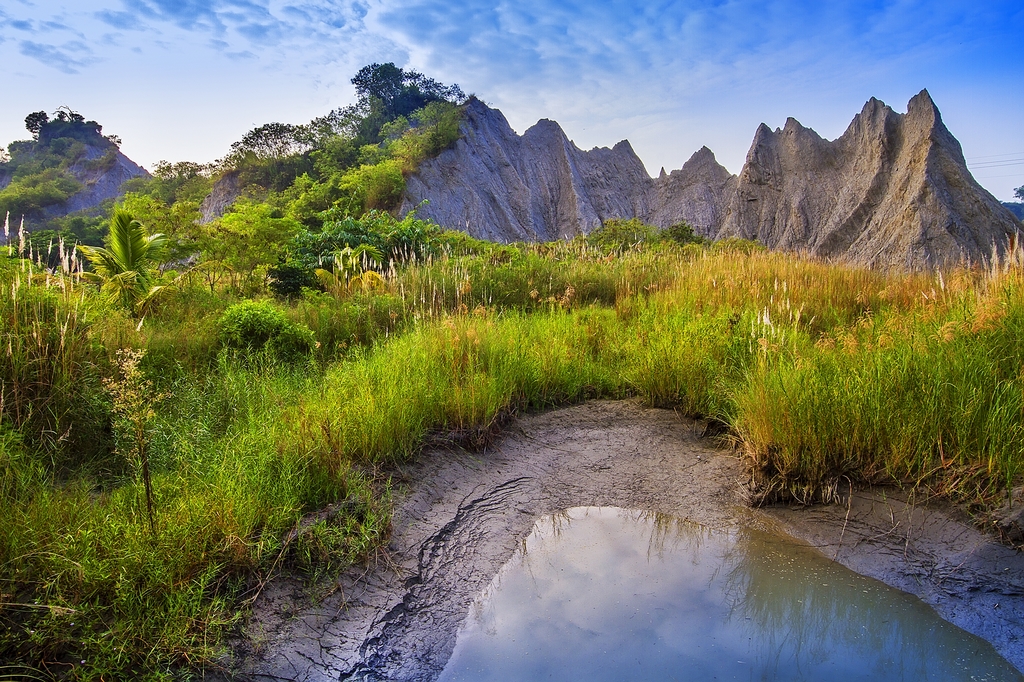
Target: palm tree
[(126, 269)]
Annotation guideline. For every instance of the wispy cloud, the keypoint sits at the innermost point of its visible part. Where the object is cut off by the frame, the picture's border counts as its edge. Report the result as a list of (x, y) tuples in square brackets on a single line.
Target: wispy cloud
[(126, 21), (68, 58)]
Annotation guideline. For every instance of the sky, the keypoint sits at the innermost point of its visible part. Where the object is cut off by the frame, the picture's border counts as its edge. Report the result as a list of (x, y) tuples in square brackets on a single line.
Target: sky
[(183, 79)]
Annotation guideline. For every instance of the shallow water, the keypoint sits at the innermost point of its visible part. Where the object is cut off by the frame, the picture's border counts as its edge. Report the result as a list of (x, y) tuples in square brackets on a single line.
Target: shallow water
[(609, 594)]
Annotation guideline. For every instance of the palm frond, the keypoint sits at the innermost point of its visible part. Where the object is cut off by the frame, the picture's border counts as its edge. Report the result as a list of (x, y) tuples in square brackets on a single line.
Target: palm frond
[(126, 268)]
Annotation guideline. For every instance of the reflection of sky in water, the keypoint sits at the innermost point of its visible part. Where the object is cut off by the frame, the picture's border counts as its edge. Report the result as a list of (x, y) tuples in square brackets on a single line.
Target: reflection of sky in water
[(606, 594)]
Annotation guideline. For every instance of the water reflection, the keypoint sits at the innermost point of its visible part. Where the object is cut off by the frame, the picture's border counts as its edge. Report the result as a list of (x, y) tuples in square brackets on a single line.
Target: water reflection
[(608, 594)]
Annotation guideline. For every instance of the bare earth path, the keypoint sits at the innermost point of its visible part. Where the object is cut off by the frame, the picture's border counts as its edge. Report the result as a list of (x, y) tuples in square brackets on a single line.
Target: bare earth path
[(461, 515)]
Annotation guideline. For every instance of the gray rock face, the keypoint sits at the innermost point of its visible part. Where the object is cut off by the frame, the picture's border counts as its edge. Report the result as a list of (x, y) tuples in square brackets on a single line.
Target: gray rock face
[(892, 191), (497, 185), (224, 193), (698, 193), (101, 184)]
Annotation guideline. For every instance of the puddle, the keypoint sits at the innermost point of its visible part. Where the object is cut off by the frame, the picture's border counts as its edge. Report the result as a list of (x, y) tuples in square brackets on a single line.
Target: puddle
[(600, 593)]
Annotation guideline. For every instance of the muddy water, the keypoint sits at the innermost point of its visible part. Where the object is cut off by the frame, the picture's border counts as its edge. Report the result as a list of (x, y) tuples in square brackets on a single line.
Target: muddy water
[(600, 593)]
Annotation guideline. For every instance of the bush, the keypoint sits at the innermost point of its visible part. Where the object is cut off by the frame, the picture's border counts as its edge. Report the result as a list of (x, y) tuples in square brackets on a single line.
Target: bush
[(377, 186), (682, 234), (289, 277), (253, 326), (618, 235)]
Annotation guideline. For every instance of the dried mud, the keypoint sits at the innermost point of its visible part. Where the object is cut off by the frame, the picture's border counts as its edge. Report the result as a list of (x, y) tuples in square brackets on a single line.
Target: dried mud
[(459, 516)]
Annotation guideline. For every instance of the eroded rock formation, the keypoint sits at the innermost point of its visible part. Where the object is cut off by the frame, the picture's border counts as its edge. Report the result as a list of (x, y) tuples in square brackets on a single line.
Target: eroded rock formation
[(498, 185), (698, 194), (103, 182), (225, 192), (893, 190)]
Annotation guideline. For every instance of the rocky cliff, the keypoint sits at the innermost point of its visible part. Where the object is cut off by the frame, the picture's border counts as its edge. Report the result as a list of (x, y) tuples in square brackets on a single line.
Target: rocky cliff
[(225, 192), (698, 194), (100, 170), (101, 177), (893, 190), (498, 185)]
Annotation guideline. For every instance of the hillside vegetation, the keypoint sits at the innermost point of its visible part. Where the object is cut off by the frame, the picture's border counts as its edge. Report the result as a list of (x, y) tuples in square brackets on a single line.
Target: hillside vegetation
[(38, 176)]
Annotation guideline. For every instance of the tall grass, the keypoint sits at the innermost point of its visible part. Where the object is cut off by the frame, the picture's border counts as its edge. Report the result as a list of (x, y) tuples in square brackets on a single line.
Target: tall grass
[(50, 366), (91, 593), (824, 373), (930, 393)]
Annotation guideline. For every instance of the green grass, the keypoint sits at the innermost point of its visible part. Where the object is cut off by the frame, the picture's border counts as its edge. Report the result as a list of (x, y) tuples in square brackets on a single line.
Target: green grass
[(825, 375)]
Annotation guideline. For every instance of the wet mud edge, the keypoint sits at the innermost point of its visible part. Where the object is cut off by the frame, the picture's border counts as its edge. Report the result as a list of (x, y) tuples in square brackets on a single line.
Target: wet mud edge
[(460, 516)]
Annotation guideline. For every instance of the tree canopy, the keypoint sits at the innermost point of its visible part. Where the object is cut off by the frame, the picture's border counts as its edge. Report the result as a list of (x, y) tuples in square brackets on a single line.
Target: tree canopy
[(35, 121), (401, 92)]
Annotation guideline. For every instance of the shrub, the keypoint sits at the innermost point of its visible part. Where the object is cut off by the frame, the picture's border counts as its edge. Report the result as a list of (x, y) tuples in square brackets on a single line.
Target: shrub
[(376, 186), (289, 277), (253, 326), (682, 234), (617, 235)]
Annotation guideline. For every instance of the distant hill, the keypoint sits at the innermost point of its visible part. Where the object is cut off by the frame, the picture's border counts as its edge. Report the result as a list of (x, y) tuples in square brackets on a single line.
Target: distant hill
[(893, 190), (1016, 208), (66, 177)]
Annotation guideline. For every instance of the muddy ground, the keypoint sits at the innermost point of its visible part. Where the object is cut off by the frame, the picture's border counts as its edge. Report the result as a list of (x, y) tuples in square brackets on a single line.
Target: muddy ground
[(460, 516)]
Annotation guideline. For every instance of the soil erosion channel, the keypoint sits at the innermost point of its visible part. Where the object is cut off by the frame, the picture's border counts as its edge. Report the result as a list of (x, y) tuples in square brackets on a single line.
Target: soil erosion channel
[(462, 516)]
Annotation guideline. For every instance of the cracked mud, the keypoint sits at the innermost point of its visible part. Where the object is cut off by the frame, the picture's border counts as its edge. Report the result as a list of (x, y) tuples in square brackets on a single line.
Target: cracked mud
[(461, 516)]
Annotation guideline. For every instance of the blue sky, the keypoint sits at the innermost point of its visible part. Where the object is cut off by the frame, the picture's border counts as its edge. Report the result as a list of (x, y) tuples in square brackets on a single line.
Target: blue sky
[(181, 80)]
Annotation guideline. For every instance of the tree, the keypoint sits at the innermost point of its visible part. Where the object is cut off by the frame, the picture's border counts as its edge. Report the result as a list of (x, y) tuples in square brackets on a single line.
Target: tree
[(65, 114), (1019, 192), (244, 243), (35, 121), (272, 140), (127, 269), (401, 92), (387, 92)]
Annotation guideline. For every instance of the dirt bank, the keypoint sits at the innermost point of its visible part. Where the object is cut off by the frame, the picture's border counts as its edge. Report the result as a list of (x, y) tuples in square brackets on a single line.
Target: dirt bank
[(460, 515)]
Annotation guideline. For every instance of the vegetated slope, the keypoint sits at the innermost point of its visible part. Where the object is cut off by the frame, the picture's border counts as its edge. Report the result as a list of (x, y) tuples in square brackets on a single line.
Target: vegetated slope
[(70, 167), (893, 190)]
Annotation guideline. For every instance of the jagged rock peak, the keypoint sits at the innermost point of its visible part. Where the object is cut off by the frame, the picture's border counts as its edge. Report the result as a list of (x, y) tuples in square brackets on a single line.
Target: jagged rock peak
[(893, 190), (696, 193), (498, 185), (703, 160)]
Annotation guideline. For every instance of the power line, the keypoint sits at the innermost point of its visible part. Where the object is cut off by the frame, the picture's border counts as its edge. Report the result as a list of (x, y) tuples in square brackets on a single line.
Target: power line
[(998, 164), (994, 156)]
